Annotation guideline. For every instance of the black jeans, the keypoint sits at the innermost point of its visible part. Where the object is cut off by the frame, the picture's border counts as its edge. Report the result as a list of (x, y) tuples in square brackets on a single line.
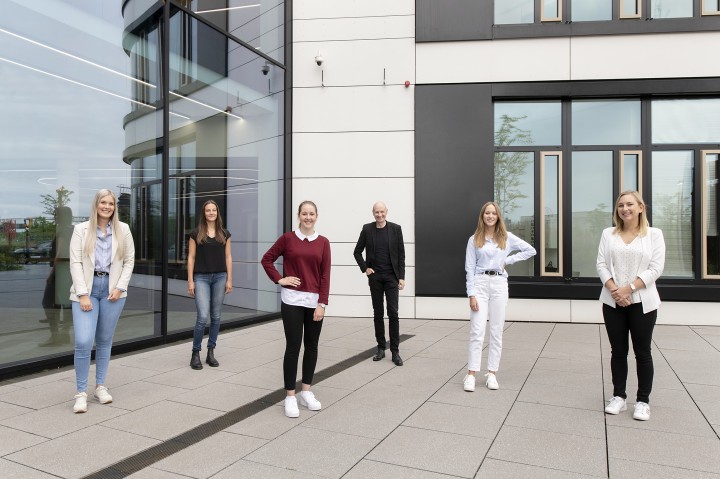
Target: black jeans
[(294, 319), (385, 285), (619, 322)]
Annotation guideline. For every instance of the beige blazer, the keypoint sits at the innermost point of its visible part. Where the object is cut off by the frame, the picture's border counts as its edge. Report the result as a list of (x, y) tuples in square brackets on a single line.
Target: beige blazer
[(651, 267), (82, 268)]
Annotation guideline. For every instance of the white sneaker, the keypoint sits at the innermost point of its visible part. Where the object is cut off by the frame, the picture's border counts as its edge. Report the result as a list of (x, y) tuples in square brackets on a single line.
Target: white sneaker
[(616, 405), (291, 407), (642, 411), (491, 381), (469, 383), (102, 395), (307, 399), (80, 403)]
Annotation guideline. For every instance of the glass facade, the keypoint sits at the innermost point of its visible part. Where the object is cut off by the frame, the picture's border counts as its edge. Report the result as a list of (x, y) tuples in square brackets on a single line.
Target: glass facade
[(85, 107)]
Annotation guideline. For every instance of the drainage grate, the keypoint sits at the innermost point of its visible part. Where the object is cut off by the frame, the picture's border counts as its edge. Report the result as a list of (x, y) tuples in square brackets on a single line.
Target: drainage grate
[(148, 457)]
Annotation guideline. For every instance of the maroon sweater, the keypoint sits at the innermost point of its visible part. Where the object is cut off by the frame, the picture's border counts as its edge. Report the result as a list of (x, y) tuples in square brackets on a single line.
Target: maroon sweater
[(307, 260)]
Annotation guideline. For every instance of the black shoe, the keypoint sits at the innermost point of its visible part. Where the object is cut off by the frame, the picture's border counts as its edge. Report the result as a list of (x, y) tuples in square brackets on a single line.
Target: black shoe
[(379, 355), (195, 362), (397, 359), (210, 359)]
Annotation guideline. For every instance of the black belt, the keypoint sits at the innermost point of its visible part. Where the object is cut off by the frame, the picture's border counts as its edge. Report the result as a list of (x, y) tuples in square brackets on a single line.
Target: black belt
[(492, 272), (101, 273)]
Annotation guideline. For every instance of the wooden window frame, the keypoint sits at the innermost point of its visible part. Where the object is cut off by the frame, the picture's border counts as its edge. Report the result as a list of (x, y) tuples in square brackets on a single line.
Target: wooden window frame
[(559, 272), (621, 174), (559, 16), (638, 7), (704, 210)]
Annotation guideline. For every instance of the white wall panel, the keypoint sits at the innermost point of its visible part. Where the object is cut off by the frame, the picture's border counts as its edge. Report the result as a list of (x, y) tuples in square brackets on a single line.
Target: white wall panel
[(342, 253), (361, 307), (343, 204), (358, 62), (367, 154), (354, 28), (380, 108), (644, 56), (540, 59), (697, 314), (587, 311), (351, 8)]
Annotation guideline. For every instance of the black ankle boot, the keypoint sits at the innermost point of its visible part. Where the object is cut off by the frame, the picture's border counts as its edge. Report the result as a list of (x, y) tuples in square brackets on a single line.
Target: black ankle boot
[(195, 362), (210, 359)]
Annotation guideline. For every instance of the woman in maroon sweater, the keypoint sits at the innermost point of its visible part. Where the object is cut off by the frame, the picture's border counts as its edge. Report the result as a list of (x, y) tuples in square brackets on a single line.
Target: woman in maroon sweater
[(304, 295)]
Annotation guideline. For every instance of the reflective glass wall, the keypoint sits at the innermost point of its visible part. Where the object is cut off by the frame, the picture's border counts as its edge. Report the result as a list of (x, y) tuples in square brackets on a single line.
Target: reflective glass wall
[(85, 106)]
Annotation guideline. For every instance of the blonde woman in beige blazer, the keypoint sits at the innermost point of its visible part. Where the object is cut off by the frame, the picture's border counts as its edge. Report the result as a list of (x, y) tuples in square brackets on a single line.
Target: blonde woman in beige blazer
[(102, 256), (631, 257)]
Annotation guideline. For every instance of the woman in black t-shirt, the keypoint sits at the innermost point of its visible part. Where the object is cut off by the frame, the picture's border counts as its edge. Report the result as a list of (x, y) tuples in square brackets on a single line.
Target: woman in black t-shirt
[(209, 278)]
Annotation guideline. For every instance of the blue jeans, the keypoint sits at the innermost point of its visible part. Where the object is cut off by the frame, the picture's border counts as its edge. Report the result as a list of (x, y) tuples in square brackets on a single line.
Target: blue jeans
[(209, 297), (98, 326)]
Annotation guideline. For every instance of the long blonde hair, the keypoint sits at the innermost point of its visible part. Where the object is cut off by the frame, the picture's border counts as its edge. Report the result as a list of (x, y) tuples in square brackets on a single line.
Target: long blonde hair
[(642, 217), (93, 224), (500, 234), (202, 227)]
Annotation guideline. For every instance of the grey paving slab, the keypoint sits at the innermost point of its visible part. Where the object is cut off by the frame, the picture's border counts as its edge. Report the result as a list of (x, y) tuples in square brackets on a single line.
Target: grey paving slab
[(565, 378), (500, 400), (672, 420), (12, 440), (324, 453), (13, 470), (663, 448), (40, 396), (462, 420), (707, 399), (221, 396), (59, 420), (152, 473), (140, 394), (253, 470), (162, 420), (188, 378), (267, 424), (210, 455), (581, 422), (434, 451), (587, 398), (263, 377), (623, 469), (567, 362), (9, 410), (240, 360), (154, 361), (552, 450), (381, 470), (54, 457), (495, 469)]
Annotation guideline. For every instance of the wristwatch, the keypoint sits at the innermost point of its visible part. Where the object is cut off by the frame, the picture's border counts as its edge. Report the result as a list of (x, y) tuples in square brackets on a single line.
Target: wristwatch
[(322, 305), (632, 287)]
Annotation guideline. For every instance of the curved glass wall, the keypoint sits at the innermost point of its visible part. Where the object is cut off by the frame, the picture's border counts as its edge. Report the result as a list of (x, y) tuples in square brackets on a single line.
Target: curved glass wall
[(83, 102)]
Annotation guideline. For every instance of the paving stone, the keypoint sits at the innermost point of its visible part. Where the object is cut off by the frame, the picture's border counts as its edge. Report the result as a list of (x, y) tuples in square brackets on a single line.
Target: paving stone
[(494, 469), (13, 470), (623, 469), (581, 422)]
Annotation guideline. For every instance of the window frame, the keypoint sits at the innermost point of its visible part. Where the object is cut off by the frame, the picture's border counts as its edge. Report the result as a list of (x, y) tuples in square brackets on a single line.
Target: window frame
[(638, 8), (558, 18), (560, 215), (703, 214), (621, 169)]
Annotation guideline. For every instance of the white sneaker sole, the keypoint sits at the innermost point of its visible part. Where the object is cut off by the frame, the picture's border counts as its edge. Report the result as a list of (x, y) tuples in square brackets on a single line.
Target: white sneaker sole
[(106, 401), (304, 403)]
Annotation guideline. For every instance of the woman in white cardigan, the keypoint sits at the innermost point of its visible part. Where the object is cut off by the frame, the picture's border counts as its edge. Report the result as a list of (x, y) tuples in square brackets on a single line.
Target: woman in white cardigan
[(102, 257), (631, 257)]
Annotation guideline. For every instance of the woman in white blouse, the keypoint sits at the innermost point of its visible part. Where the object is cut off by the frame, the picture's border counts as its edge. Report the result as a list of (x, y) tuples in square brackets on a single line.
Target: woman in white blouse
[(631, 257), (487, 254)]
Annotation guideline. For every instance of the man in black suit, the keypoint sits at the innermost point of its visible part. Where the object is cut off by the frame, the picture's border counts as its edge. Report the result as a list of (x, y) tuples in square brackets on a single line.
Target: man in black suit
[(385, 269)]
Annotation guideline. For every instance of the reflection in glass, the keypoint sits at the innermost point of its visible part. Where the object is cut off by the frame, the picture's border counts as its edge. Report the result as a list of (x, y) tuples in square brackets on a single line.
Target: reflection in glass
[(606, 122), (630, 171), (711, 205), (671, 8), (592, 207), (514, 11), (590, 10), (514, 192), (672, 202), (551, 216), (685, 121), (551, 10), (527, 123)]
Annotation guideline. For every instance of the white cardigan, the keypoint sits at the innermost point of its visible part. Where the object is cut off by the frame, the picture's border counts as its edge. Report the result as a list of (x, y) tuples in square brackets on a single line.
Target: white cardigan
[(82, 268), (651, 266)]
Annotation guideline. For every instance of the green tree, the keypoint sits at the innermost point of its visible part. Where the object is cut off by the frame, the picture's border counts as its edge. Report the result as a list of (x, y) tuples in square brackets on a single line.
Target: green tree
[(510, 165), (51, 202)]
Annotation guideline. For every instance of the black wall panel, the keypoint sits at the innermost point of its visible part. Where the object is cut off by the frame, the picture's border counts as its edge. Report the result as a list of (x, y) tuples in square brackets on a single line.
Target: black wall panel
[(453, 178), (448, 20)]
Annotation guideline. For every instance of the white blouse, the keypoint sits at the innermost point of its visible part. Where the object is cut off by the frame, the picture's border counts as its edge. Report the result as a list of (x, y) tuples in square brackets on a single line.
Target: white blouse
[(626, 258)]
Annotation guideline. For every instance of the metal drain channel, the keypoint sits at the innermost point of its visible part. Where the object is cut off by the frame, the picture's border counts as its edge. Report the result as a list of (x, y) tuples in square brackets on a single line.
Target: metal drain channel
[(150, 456)]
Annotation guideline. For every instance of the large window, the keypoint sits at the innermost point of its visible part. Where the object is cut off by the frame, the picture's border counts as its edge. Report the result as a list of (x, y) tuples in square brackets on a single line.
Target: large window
[(84, 108), (606, 147)]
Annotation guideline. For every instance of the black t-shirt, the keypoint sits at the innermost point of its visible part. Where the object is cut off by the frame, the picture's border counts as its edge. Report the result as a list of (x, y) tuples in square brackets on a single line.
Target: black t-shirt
[(382, 251), (210, 254)]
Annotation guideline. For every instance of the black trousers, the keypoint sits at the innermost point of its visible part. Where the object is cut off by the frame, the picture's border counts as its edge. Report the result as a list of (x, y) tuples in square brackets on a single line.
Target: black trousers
[(385, 286), (295, 318), (619, 322)]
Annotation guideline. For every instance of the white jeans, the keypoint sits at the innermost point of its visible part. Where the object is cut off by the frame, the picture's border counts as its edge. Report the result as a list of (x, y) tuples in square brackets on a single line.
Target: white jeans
[(492, 298)]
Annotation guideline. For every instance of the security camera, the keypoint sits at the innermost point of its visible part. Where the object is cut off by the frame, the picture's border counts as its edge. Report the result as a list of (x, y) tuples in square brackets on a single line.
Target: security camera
[(265, 69), (319, 60)]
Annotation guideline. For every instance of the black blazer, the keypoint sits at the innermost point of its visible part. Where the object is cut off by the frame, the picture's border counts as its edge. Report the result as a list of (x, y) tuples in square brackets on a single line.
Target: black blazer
[(367, 242)]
